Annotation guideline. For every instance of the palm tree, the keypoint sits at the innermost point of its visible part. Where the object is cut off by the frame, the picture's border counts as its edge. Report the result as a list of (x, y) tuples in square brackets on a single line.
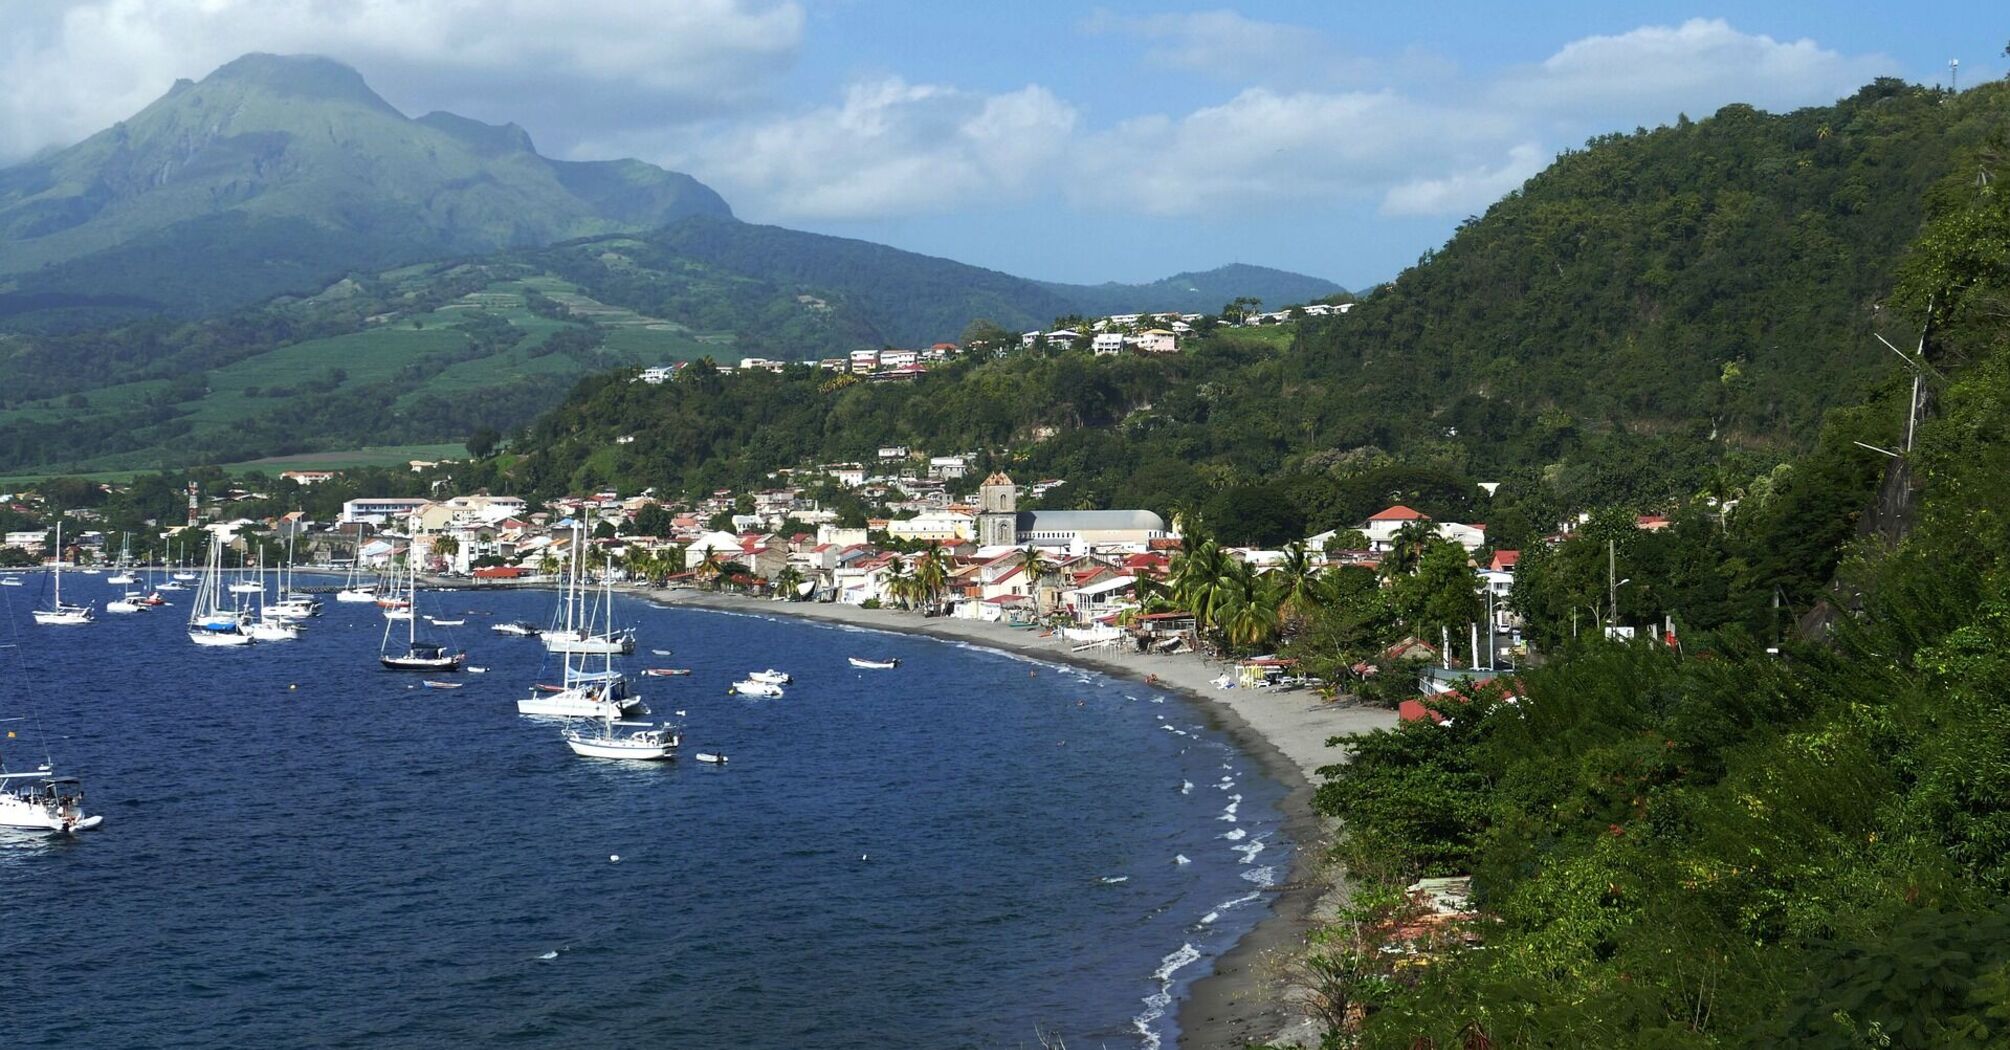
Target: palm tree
[(1198, 577), (710, 569), (1038, 569), (787, 580), (446, 547), (1406, 547), (931, 575), (1248, 607), (1297, 582)]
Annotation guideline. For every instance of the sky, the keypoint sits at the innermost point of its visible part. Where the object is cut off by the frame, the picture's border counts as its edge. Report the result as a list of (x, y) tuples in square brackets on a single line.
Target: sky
[(1061, 141)]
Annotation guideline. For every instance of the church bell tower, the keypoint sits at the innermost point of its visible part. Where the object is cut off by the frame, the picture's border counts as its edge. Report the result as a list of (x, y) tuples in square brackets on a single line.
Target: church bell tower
[(998, 514)]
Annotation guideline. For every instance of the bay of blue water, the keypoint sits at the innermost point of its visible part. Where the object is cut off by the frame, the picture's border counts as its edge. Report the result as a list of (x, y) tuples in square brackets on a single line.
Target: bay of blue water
[(303, 850)]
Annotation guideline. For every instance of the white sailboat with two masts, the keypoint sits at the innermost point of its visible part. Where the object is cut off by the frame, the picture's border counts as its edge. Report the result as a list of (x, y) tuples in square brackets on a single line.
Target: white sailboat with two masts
[(584, 690), (577, 634)]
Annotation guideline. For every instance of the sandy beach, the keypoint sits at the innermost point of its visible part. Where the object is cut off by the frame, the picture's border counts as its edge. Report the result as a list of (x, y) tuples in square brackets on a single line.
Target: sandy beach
[(1285, 731)]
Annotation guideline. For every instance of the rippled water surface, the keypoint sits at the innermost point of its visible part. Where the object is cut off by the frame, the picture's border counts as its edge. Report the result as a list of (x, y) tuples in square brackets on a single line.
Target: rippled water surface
[(301, 849)]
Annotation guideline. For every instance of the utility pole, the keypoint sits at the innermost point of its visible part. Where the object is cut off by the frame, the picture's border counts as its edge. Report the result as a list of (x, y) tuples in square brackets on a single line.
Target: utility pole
[(1612, 580)]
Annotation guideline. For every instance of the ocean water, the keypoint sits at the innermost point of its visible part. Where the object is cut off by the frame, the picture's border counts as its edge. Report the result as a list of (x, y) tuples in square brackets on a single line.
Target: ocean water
[(303, 850)]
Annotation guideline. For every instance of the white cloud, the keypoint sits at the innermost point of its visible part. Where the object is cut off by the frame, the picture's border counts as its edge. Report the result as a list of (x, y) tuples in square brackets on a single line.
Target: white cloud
[(890, 149), (1264, 150), (1469, 191), (1655, 72), (1450, 151), (1220, 43), (88, 63)]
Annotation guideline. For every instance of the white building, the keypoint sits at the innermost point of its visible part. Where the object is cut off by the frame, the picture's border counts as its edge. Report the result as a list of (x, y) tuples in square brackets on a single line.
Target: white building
[(1107, 343), (935, 527), (379, 510)]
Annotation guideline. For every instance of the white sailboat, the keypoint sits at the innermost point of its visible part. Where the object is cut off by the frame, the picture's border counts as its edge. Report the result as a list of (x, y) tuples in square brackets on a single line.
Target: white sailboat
[(291, 605), (586, 693), (267, 628), (418, 655), (43, 801), (209, 623), (58, 614), (648, 743), (578, 636), (124, 577), (352, 585)]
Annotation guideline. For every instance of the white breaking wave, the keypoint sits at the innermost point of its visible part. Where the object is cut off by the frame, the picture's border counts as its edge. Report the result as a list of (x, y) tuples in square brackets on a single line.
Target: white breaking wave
[(1234, 835), (1157, 1003), (1112, 880), (1180, 858), (1186, 787), (1249, 850), (1265, 877)]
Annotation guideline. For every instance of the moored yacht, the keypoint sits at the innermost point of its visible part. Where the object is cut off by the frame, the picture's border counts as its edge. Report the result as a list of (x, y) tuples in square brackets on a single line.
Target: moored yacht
[(42, 801), (648, 743)]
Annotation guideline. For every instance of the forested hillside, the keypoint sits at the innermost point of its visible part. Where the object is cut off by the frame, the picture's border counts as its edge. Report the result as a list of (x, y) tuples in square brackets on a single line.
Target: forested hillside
[(1659, 313), (1714, 845)]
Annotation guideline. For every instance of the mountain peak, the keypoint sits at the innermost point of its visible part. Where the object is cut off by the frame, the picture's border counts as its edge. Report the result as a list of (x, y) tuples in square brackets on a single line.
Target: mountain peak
[(300, 76)]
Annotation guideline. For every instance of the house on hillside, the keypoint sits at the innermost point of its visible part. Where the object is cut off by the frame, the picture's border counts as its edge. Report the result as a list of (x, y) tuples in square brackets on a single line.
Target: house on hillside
[(1381, 527)]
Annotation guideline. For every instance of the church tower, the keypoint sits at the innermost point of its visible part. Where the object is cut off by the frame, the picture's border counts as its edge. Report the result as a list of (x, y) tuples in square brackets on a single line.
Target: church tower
[(998, 512)]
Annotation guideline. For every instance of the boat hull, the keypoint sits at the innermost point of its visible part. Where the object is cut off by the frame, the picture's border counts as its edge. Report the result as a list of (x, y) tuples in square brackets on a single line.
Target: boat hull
[(574, 703), (588, 747), (218, 639), (22, 816), (423, 663)]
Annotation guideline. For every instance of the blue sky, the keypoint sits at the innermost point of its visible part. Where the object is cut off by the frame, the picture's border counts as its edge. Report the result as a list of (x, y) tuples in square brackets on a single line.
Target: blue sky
[(1122, 141)]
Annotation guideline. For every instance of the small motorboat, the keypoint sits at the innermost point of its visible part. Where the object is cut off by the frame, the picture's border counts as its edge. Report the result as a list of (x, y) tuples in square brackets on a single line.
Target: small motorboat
[(707, 756), (515, 627), (10, 581), (660, 652), (437, 622), (874, 665), (432, 684), (128, 603), (666, 672), (770, 676), (170, 585), (478, 670), (751, 687)]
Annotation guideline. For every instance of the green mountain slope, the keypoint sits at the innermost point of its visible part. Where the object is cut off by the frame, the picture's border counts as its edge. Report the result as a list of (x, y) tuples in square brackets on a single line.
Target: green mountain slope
[(1203, 292), (1651, 316), (276, 173)]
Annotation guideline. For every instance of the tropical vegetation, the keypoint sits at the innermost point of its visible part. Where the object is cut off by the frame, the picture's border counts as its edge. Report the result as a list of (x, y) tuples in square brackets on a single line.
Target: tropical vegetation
[(1768, 833)]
